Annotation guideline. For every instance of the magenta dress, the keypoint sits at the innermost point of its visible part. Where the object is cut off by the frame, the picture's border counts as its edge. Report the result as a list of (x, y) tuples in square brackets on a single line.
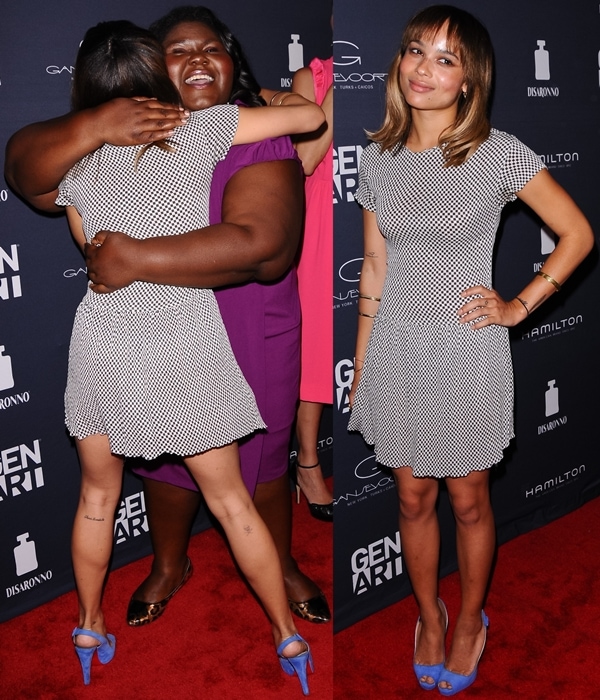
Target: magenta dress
[(315, 266), (263, 324)]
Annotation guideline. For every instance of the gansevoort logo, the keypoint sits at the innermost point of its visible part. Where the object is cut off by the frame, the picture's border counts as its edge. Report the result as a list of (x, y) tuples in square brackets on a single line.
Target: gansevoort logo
[(375, 564), (350, 270), (554, 328), (131, 519), (57, 70), (74, 273), (17, 473), (555, 482), (344, 59), (377, 482)]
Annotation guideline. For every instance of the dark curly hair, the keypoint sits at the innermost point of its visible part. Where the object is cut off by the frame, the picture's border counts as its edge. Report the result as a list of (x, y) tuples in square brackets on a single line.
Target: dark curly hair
[(245, 87)]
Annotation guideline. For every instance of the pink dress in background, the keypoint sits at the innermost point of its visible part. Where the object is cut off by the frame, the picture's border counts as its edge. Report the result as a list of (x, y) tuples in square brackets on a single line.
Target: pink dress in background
[(315, 267)]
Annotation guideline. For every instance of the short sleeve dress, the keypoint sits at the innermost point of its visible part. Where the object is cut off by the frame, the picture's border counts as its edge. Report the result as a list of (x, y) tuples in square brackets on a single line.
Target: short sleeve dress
[(151, 365), (263, 325), (433, 394)]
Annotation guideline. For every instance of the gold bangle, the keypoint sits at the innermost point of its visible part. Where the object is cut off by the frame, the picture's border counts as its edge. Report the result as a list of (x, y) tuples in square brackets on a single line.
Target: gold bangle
[(274, 96), (360, 313), (552, 281), (357, 359), (285, 96), (366, 296), (524, 304)]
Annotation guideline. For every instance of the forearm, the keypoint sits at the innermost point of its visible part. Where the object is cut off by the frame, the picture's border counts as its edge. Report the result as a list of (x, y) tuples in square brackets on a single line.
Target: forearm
[(216, 256), (39, 155), (559, 266)]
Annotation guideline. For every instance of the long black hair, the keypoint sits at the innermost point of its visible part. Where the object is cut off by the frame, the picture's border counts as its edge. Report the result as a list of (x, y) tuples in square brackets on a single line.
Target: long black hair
[(119, 59), (245, 86)]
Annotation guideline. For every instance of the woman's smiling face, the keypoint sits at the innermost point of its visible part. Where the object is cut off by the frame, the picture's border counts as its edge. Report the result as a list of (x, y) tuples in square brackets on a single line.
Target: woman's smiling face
[(431, 74), (198, 65)]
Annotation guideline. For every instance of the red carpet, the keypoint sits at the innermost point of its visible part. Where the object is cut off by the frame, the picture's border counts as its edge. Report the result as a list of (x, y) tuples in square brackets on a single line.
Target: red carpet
[(544, 634), (213, 642)]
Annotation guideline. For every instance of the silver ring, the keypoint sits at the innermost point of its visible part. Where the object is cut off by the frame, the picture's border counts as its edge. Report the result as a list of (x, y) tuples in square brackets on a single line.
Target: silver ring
[(99, 244)]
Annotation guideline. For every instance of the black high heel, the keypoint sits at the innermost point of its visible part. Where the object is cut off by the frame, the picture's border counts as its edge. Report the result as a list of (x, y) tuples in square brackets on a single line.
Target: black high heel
[(320, 511)]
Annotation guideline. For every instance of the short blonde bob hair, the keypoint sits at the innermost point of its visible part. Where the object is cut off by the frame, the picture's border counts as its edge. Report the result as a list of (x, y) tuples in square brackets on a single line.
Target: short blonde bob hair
[(469, 39)]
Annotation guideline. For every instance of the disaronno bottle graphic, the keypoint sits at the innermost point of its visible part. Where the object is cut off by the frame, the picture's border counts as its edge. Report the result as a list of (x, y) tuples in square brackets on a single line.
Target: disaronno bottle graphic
[(25, 556), (6, 375), (548, 240), (542, 61), (551, 398), (295, 54)]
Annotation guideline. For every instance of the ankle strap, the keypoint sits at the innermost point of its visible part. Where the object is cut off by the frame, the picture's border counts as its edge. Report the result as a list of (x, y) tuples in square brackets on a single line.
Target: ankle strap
[(312, 466)]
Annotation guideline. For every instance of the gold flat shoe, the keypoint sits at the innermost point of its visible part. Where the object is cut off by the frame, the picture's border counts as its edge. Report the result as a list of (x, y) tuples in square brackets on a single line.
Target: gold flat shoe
[(313, 610), (141, 613)]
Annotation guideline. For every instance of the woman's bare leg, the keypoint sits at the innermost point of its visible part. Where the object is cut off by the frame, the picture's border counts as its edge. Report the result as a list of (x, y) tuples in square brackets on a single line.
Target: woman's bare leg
[(217, 473), (171, 511), (92, 539), (420, 536), (476, 542)]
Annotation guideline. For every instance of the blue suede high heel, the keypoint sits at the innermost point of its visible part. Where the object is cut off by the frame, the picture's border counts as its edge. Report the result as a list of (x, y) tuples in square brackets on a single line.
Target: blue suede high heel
[(105, 649), (458, 681), (296, 664), (433, 670)]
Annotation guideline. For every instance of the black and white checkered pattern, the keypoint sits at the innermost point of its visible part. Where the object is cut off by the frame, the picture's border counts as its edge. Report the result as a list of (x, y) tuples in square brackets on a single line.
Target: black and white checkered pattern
[(151, 365), (435, 395)]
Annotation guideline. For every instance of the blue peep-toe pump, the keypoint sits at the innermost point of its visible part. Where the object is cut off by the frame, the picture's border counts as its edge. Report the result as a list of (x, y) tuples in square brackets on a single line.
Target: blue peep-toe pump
[(296, 664), (105, 649), (457, 681), (429, 670)]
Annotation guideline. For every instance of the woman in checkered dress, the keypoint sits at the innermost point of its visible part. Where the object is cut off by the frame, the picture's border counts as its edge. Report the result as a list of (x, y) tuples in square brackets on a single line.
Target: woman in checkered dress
[(433, 383), (150, 366)]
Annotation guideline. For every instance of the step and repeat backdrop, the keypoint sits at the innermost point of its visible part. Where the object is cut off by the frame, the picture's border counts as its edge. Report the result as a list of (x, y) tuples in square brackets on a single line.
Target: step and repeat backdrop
[(43, 277), (547, 93)]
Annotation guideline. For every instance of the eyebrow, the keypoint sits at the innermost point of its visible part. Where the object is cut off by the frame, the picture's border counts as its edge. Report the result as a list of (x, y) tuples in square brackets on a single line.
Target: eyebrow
[(442, 51)]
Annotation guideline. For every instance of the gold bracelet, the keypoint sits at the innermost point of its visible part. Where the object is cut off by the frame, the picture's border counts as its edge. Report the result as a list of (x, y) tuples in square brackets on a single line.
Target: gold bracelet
[(360, 313), (524, 304), (274, 96), (285, 96), (366, 296), (552, 281), (357, 359)]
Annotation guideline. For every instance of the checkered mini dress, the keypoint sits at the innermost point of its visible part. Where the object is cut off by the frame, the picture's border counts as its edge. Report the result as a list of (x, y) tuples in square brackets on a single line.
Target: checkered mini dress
[(433, 394), (151, 365)]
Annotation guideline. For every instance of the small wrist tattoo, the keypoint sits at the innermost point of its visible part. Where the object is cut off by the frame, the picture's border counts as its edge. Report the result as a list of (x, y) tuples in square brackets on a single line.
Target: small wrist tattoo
[(98, 520)]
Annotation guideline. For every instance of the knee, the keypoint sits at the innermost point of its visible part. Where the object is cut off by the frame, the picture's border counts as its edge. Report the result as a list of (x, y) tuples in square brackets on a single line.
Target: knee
[(416, 507), (469, 512)]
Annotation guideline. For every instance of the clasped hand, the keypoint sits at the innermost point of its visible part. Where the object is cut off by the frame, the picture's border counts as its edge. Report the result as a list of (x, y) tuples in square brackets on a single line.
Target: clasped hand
[(107, 258), (489, 308)]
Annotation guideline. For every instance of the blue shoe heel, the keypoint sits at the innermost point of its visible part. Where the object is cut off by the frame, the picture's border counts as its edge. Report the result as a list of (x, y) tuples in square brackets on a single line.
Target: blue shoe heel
[(105, 649), (296, 664), (458, 681), (432, 671)]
